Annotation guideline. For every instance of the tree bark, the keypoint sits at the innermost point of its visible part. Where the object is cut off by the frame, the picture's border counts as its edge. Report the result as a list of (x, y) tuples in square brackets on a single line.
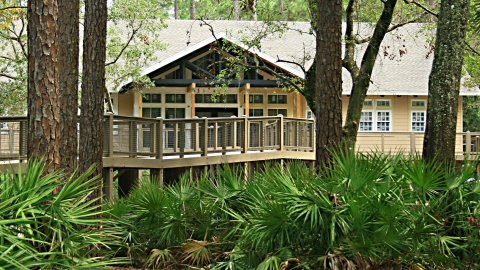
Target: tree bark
[(175, 9), (361, 81), (68, 50), (328, 86), (444, 81), (93, 83), (43, 111), (281, 10)]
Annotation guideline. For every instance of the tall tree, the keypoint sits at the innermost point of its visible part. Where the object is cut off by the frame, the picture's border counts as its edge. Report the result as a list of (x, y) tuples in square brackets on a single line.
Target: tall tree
[(236, 10), (93, 83), (192, 9), (328, 83), (43, 110), (444, 81), (68, 49), (361, 75)]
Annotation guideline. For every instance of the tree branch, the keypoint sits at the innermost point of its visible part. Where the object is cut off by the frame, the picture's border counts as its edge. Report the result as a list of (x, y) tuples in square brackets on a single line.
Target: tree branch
[(8, 76), (134, 32), (11, 7), (427, 10), (472, 49)]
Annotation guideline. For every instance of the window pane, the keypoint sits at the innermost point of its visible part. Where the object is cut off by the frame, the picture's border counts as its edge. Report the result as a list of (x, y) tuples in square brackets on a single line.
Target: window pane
[(198, 98), (272, 99), (258, 99), (368, 103), (231, 98), (146, 112), (180, 113), (170, 113), (272, 112), (155, 112), (366, 121), (282, 99), (180, 98), (170, 98), (282, 112), (156, 98), (146, 98)]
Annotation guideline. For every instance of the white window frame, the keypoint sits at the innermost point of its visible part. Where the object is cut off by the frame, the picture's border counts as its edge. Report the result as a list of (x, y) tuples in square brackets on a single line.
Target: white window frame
[(412, 121), (372, 121), (368, 100), (378, 121), (417, 100), (309, 114), (381, 100)]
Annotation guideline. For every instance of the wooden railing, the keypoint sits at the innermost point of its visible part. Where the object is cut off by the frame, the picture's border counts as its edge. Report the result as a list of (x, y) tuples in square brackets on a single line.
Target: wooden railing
[(159, 138)]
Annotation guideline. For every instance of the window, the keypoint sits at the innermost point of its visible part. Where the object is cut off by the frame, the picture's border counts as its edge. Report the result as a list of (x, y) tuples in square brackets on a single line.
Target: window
[(151, 98), (277, 99), (175, 98), (4, 128), (254, 98), (418, 103), (275, 112), (366, 121), (175, 113), (310, 114), (418, 121), (151, 112), (368, 103), (383, 121), (207, 98), (255, 112), (383, 103), (174, 75)]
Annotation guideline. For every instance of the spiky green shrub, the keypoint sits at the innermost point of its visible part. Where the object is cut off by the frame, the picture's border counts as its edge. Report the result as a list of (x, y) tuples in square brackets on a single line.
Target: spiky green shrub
[(46, 222), (371, 209)]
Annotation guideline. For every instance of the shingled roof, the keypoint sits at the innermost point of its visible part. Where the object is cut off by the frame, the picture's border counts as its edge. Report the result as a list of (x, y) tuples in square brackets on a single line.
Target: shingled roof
[(402, 67)]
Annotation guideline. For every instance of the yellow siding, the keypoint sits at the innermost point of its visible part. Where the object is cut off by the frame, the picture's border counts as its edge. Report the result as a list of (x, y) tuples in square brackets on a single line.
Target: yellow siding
[(125, 103)]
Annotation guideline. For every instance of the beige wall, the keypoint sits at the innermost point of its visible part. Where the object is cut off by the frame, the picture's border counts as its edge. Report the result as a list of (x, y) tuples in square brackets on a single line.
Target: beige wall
[(125, 103)]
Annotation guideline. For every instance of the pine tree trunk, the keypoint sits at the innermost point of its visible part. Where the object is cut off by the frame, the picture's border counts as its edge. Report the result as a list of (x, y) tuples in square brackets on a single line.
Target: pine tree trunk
[(43, 112), (444, 81), (282, 10), (175, 9), (68, 36), (254, 10), (328, 78), (93, 83), (361, 82)]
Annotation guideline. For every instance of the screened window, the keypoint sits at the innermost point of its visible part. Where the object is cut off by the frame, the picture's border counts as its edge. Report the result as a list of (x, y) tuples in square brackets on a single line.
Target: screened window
[(175, 98), (366, 121), (277, 99), (383, 121), (255, 112), (275, 112), (418, 121)]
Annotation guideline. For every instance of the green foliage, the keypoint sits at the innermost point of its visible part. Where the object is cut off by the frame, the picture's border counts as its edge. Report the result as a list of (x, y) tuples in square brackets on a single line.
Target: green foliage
[(364, 208), (47, 222)]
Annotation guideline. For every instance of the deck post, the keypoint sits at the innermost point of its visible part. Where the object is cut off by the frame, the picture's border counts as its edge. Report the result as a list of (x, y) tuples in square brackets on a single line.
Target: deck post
[(205, 137), (412, 143), (159, 138), (246, 126), (281, 131), (468, 144), (110, 134), (215, 135), (157, 174), (132, 138), (108, 183)]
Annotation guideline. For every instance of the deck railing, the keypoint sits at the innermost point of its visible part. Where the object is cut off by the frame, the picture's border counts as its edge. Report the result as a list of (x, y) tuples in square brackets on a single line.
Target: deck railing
[(169, 138), (163, 138)]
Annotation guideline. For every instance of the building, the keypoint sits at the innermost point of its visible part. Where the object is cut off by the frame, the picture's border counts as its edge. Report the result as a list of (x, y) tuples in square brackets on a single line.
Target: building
[(396, 101)]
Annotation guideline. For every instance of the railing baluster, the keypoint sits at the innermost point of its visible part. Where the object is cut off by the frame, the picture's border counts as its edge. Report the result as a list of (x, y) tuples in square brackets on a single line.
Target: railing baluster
[(205, 137), (159, 138)]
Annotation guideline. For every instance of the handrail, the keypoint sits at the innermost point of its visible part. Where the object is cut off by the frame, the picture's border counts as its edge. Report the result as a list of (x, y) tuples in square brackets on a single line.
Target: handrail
[(130, 136)]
